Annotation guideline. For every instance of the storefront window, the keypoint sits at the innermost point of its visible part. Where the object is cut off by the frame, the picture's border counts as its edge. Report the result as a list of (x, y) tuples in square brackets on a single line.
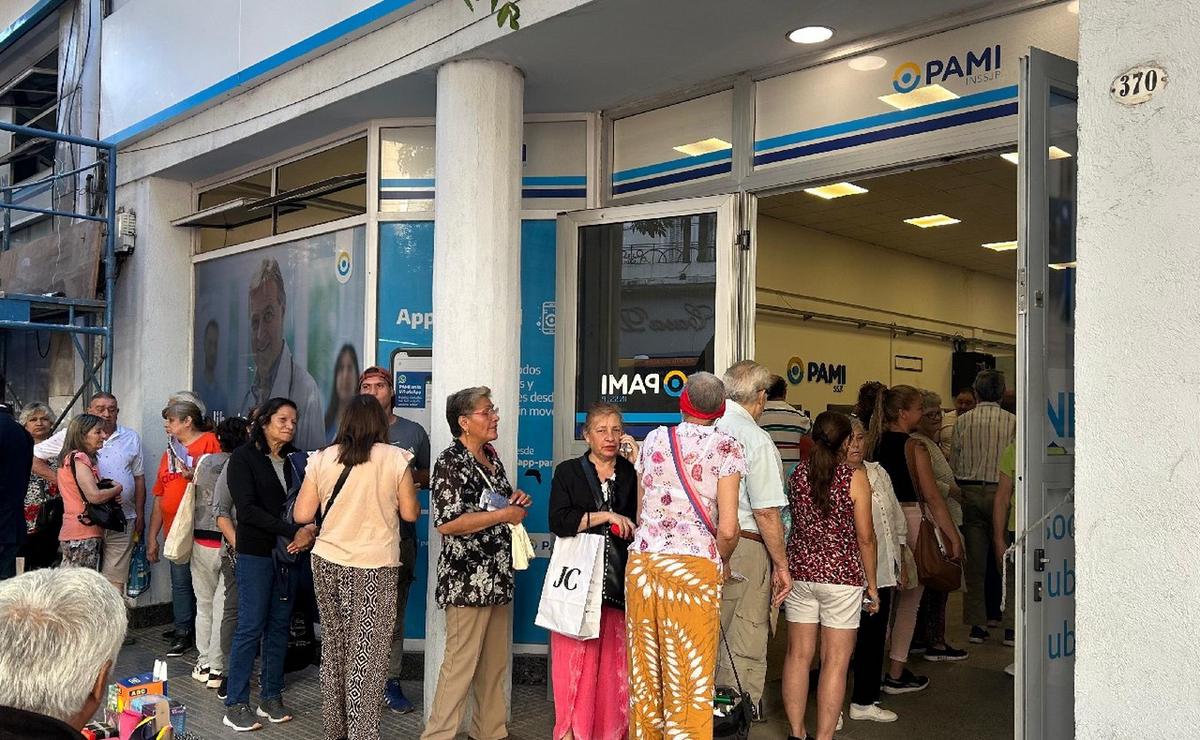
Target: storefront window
[(672, 146), (406, 182), (647, 294), (237, 225)]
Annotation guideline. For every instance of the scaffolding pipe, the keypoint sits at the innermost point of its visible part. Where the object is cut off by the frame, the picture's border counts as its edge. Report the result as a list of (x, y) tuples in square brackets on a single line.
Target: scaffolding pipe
[(110, 259)]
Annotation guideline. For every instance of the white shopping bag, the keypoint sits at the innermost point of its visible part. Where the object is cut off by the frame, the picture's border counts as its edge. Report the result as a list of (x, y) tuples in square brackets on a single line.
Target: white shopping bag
[(570, 603)]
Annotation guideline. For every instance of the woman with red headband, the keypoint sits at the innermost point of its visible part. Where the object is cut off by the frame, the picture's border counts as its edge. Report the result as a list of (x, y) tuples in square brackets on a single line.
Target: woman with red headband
[(687, 529)]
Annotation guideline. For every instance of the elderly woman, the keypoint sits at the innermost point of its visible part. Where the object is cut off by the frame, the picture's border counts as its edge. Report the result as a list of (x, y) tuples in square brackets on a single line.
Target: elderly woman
[(597, 493), (40, 548), (687, 531), (472, 505), (891, 534), (930, 633)]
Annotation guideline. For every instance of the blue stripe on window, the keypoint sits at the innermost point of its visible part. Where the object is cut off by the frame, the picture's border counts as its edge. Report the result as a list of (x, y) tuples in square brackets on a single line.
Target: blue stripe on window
[(674, 164), (677, 177), (897, 132), (555, 180), (883, 119), (406, 195), (554, 193), (406, 182)]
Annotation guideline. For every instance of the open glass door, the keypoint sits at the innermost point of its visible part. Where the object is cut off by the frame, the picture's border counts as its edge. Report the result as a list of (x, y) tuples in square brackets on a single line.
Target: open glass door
[(1046, 391), (647, 295)]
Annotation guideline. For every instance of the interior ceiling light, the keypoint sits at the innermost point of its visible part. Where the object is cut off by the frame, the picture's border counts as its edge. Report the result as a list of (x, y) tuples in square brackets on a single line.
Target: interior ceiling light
[(810, 35), (704, 146), (1054, 153), (928, 222), (1062, 265), (837, 190), (867, 63), (1000, 246), (1073, 7), (921, 96)]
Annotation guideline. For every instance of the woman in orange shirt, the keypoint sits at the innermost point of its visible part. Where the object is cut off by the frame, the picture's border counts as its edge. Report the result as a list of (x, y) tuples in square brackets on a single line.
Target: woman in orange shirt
[(79, 482), (186, 427)]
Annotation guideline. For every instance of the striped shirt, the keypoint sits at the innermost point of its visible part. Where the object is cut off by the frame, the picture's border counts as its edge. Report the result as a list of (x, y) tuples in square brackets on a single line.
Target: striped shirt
[(980, 436), (786, 426)]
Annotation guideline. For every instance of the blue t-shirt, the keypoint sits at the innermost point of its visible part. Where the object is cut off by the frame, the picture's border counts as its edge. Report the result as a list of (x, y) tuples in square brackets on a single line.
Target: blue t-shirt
[(409, 435)]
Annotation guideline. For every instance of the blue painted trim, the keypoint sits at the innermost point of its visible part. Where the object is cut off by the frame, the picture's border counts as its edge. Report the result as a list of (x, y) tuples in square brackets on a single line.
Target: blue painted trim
[(259, 69), (406, 182), (24, 193), (26, 23), (897, 132), (639, 417), (883, 119), (674, 164), (677, 177), (406, 195), (557, 180), (554, 193)]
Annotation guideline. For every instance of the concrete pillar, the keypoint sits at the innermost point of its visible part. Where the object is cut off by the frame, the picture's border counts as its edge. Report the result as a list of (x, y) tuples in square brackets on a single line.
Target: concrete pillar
[(152, 324), (1137, 360), (476, 269)]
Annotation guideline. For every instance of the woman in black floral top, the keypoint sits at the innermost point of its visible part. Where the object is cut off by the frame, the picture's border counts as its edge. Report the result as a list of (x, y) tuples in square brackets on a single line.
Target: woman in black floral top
[(472, 505)]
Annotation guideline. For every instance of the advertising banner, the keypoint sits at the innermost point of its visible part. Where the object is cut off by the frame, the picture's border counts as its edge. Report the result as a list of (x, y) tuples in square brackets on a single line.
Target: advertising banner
[(405, 341), (284, 320)]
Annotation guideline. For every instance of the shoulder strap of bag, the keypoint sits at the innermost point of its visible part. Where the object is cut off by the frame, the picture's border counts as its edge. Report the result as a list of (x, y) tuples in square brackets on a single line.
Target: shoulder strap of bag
[(75, 477), (677, 456), (337, 488)]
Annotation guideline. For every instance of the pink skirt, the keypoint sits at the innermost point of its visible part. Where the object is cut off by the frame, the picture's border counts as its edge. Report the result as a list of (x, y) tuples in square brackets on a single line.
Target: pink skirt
[(591, 687)]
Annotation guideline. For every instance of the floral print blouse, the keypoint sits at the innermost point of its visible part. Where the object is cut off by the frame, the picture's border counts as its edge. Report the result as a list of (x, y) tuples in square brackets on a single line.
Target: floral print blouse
[(820, 548), (473, 569), (669, 525)]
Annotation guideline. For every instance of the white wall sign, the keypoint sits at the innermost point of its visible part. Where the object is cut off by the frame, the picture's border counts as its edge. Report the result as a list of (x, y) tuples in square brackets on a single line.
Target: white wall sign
[(1137, 85)]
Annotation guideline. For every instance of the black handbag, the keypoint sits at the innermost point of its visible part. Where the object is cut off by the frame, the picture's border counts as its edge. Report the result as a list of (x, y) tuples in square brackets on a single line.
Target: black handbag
[(732, 709), (49, 518), (108, 515)]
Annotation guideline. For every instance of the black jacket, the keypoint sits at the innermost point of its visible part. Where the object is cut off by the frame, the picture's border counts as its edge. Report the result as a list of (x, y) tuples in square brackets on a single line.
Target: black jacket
[(16, 459), (574, 492), (259, 500), (18, 724)]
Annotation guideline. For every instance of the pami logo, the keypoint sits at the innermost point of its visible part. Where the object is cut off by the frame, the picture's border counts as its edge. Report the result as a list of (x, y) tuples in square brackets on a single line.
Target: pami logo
[(628, 384), (971, 67)]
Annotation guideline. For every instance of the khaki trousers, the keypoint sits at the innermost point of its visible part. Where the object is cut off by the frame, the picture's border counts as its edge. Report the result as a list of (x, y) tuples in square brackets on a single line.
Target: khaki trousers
[(476, 659), (746, 619)]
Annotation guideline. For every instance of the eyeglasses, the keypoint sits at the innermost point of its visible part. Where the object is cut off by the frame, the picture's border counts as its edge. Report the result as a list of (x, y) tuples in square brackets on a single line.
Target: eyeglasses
[(933, 414), (490, 412)]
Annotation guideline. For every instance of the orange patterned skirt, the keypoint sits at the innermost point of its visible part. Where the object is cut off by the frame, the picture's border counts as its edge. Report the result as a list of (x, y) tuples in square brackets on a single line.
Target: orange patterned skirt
[(672, 617)]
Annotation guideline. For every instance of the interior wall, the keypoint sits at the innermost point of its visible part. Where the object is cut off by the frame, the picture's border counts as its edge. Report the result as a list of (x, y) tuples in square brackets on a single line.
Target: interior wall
[(828, 274)]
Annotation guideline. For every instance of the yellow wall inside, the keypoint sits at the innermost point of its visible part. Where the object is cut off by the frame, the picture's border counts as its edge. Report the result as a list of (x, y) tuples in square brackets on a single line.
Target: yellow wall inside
[(843, 277)]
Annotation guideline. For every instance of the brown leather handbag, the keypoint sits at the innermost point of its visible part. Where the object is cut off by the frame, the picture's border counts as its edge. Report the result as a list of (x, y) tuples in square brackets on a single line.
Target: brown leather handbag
[(935, 569)]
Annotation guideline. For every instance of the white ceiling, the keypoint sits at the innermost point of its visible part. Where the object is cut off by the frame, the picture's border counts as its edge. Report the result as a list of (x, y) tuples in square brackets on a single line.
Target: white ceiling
[(608, 53), (980, 192)]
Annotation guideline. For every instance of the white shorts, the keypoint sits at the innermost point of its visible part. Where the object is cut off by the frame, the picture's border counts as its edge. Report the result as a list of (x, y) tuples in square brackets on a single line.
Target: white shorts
[(834, 606)]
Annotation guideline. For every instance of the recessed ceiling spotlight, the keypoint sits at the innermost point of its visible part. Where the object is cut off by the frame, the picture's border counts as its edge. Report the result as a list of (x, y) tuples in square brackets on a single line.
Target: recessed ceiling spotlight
[(1073, 7), (926, 95), (1062, 265), (1000, 246), (867, 63), (837, 190), (928, 222), (704, 146), (810, 35), (1053, 153)]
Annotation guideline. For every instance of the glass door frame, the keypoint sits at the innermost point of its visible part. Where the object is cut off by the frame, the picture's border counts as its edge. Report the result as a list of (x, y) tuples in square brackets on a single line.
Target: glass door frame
[(729, 317), (1044, 483)]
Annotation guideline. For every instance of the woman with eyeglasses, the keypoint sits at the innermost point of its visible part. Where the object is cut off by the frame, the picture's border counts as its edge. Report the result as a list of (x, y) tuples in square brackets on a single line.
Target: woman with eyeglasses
[(930, 635), (472, 504)]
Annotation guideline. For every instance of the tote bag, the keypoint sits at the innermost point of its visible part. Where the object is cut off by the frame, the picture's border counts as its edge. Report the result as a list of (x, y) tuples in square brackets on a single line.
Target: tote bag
[(178, 546), (571, 595)]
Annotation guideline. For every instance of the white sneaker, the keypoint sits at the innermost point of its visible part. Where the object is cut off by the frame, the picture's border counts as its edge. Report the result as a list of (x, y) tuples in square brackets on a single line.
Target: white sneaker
[(841, 721), (1011, 669), (872, 712), (200, 673)]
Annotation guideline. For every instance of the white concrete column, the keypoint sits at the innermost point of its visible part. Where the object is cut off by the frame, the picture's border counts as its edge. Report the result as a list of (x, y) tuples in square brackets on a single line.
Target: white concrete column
[(1137, 361), (476, 269), (152, 325)]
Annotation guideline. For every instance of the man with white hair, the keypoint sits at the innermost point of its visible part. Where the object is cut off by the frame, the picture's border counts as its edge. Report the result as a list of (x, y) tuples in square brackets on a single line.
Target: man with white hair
[(60, 632), (760, 558)]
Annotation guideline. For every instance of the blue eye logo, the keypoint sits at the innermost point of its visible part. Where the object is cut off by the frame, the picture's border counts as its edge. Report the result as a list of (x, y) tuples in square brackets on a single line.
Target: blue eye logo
[(906, 77), (343, 266), (674, 382), (795, 371)]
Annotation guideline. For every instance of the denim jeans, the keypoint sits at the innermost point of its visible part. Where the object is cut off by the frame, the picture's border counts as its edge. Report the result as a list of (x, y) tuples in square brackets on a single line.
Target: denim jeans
[(183, 598), (265, 595)]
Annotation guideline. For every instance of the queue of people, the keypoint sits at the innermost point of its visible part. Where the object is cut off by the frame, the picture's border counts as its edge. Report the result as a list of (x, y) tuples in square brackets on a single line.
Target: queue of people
[(706, 532)]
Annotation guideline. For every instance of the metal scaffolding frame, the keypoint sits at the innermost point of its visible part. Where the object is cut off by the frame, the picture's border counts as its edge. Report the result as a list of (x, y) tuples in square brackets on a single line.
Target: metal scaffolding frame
[(78, 317)]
